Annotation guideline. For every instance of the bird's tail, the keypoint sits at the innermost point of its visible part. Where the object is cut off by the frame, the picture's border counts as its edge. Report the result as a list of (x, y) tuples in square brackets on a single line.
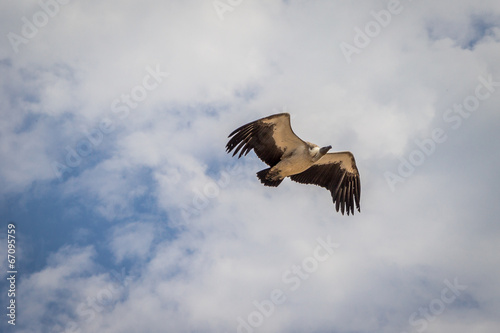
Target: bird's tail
[(262, 175)]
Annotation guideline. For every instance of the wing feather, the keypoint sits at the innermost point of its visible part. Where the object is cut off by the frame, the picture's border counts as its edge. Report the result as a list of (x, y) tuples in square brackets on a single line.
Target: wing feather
[(338, 173), (269, 137)]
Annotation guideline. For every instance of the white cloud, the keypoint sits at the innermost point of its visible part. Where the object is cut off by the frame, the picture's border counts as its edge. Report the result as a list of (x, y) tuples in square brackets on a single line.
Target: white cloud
[(126, 244), (111, 187), (231, 239)]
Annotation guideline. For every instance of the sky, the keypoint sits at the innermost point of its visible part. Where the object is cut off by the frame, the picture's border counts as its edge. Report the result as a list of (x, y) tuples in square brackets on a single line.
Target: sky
[(129, 216)]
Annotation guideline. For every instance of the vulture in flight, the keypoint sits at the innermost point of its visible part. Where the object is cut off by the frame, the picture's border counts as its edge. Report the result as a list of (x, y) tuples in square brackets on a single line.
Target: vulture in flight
[(275, 143)]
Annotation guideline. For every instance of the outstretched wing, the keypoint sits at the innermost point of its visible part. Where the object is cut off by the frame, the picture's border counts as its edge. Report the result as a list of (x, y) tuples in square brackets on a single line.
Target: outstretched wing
[(338, 173), (269, 137)]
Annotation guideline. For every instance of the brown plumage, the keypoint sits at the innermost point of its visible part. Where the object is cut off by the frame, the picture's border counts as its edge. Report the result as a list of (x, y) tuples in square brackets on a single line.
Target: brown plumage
[(275, 143)]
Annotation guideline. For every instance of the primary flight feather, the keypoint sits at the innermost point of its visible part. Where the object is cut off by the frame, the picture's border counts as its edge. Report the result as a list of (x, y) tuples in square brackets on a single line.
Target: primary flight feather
[(275, 143)]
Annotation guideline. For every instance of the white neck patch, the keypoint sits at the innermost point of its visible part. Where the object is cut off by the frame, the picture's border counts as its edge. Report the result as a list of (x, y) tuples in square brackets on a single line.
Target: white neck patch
[(314, 151)]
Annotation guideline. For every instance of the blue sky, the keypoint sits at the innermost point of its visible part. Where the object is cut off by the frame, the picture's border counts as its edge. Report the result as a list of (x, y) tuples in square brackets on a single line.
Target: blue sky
[(131, 217)]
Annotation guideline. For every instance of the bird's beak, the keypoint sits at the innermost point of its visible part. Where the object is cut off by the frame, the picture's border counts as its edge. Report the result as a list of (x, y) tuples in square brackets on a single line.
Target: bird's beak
[(325, 150)]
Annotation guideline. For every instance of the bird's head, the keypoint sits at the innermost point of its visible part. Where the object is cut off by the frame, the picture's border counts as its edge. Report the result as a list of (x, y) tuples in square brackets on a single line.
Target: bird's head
[(317, 153), (324, 150)]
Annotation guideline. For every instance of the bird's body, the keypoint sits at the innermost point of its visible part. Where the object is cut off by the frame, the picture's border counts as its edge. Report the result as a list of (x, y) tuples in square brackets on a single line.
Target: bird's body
[(293, 162), (275, 143)]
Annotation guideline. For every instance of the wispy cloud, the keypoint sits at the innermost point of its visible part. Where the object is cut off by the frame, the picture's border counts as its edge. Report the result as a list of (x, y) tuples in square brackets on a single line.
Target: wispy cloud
[(151, 226)]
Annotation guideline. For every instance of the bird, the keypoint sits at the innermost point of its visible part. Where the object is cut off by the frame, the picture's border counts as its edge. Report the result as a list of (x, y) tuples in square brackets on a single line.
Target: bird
[(274, 142)]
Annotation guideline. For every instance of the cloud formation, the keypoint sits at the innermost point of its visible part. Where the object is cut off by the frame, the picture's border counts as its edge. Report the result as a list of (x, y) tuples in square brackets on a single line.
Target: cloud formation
[(119, 114)]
